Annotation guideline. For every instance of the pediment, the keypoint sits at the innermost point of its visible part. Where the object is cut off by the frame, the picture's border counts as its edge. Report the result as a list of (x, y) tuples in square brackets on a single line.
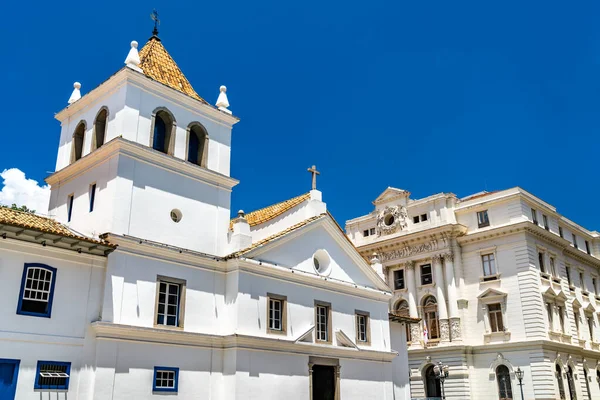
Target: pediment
[(307, 336), (491, 293), (391, 194), (343, 340)]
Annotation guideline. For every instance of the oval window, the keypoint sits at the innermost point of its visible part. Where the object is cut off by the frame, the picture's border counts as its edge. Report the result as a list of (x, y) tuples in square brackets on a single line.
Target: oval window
[(176, 215)]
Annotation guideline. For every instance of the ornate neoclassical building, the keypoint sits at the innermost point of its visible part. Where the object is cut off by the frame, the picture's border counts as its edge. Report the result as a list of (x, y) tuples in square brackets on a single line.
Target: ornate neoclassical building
[(499, 281)]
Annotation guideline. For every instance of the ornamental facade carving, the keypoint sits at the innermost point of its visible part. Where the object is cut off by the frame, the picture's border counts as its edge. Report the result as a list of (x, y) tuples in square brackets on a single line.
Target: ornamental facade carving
[(408, 251), (392, 219), (455, 328), (444, 330)]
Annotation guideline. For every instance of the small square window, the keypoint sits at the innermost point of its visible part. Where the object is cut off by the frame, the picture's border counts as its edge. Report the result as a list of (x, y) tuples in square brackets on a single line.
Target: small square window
[(166, 379), (546, 226), (482, 219), (399, 279), (52, 375), (362, 327), (423, 217), (534, 216), (416, 219), (365, 233), (277, 313), (426, 275), (37, 290)]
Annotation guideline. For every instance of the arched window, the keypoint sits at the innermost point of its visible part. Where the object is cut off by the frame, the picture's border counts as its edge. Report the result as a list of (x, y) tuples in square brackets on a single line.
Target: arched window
[(197, 141), (402, 310), (100, 129), (163, 131), (571, 384), (430, 317), (504, 385), (559, 380), (587, 383), (432, 385), (77, 148)]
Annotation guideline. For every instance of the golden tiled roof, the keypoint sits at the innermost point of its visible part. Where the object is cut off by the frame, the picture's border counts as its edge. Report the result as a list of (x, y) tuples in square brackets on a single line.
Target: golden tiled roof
[(276, 236), (158, 65), (265, 214), (41, 224)]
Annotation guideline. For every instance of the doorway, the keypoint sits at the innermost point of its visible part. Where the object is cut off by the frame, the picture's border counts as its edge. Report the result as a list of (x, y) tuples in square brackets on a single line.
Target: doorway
[(9, 371), (432, 385), (323, 382)]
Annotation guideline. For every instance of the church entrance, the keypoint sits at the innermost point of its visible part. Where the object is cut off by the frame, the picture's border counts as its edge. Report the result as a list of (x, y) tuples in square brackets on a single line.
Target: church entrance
[(323, 382)]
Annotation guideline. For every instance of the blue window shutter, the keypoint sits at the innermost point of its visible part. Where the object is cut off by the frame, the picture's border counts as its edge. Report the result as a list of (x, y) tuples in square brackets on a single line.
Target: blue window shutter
[(47, 312)]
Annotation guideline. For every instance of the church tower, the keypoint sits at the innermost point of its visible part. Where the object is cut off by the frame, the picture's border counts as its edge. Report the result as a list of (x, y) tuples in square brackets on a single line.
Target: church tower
[(144, 155)]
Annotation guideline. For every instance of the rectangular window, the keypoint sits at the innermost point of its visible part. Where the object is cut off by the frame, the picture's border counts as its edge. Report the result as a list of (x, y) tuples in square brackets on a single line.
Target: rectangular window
[(362, 327), (69, 207), (595, 285), (587, 247), (92, 196), (323, 323), (372, 231), (560, 232), (546, 226), (166, 379), (423, 217), (426, 275), (568, 273), (277, 313), (553, 267), (541, 262), (399, 279), (590, 321), (416, 219), (576, 319), (170, 302), (496, 322), (37, 290), (482, 219), (574, 240), (489, 264), (534, 216), (549, 313), (581, 282), (366, 233), (561, 317), (52, 375)]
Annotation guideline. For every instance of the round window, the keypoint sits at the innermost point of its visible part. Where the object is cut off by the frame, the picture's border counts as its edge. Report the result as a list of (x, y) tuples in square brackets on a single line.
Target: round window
[(176, 215), (389, 219), (321, 261)]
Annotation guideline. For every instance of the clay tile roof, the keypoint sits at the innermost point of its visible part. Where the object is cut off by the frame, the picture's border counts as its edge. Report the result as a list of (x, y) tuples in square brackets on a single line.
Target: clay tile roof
[(41, 224), (265, 214), (276, 236), (158, 65)]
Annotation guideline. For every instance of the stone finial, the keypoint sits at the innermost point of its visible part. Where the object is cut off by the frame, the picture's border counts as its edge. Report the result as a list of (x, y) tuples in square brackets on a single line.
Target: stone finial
[(76, 95), (375, 259), (241, 214), (222, 101), (133, 58)]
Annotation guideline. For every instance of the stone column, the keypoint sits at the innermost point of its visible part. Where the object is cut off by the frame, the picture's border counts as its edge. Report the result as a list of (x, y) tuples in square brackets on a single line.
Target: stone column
[(452, 297), (409, 268), (441, 298)]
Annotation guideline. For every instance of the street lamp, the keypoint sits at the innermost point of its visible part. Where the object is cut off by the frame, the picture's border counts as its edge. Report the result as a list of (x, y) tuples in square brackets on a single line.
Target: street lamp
[(441, 373), (519, 374)]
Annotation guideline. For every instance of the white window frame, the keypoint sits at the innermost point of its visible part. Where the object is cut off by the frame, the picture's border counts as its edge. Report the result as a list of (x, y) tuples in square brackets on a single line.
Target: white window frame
[(498, 314), (482, 252)]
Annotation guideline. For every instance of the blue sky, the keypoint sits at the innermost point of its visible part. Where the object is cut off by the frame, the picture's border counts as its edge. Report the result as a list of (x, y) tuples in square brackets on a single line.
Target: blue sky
[(426, 96)]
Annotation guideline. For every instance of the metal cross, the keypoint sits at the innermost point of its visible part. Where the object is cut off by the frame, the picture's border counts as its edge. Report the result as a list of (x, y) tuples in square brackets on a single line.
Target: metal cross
[(154, 16), (314, 173)]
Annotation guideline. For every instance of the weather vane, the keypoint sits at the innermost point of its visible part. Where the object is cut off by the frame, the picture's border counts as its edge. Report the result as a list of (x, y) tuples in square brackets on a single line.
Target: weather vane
[(154, 17)]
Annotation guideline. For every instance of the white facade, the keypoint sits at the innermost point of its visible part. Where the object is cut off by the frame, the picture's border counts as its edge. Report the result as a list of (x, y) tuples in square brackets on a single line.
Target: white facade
[(524, 310), (168, 296)]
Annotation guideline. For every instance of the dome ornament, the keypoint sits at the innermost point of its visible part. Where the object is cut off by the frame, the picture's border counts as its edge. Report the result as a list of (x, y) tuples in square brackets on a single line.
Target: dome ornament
[(133, 58), (222, 101), (76, 95)]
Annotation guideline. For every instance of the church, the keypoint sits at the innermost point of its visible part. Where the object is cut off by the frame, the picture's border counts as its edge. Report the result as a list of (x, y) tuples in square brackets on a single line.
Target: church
[(142, 285)]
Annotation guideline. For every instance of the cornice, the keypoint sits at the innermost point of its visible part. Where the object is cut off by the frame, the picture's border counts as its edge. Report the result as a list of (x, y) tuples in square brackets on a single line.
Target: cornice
[(110, 331), (121, 146)]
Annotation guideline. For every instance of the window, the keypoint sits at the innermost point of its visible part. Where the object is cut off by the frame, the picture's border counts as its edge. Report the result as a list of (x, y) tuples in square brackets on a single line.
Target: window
[(587, 247), (595, 286), (432, 384), (545, 219), (92, 196), (323, 321), (496, 322), (568, 273), (576, 319), (77, 147), (99, 129), (430, 319), (37, 290), (420, 218), (416, 219), (365, 233), (372, 231), (598, 377), (482, 219), (277, 313), (587, 383), (423, 217), (69, 207), (399, 279), (534, 216), (559, 380), (166, 379), (197, 144), (560, 232), (52, 375), (561, 317), (504, 385), (426, 275), (403, 310), (590, 321), (571, 383), (489, 264), (362, 327), (170, 302), (541, 262), (574, 240), (549, 312), (369, 232), (553, 266), (162, 131), (581, 281)]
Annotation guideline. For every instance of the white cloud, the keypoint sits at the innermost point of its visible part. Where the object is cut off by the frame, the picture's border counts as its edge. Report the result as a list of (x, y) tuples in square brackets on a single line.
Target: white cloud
[(22, 191)]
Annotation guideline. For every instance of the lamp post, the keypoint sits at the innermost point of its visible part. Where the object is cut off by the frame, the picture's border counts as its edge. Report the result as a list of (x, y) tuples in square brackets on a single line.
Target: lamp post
[(519, 374), (441, 373)]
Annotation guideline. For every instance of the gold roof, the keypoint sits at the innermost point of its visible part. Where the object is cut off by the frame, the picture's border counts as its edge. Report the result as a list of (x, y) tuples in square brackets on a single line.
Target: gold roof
[(35, 222), (265, 214), (158, 65)]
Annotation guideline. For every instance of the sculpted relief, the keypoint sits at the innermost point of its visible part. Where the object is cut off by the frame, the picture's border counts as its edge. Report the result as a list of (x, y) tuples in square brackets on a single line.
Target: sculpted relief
[(408, 251), (392, 219)]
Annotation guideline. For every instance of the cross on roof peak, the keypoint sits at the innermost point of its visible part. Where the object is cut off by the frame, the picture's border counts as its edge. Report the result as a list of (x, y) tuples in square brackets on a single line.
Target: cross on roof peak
[(314, 173)]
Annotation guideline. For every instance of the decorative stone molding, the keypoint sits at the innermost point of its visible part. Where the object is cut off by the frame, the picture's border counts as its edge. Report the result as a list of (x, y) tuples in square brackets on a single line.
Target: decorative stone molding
[(409, 265), (444, 330), (415, 333), (448, 256), (436, 258), (408, 251), (455, 333), (392, 219)]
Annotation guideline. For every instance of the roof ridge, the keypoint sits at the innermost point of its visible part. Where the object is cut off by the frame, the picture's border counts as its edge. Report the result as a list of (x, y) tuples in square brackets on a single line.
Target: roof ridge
[(267, 213)]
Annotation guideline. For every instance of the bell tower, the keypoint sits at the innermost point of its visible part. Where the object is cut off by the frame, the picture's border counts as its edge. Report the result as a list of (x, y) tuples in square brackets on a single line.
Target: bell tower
[(144, 155)]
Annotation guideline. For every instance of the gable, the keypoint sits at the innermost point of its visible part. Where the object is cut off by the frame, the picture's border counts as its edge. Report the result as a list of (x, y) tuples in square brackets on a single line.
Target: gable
[(391, 194), (322, 239)]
